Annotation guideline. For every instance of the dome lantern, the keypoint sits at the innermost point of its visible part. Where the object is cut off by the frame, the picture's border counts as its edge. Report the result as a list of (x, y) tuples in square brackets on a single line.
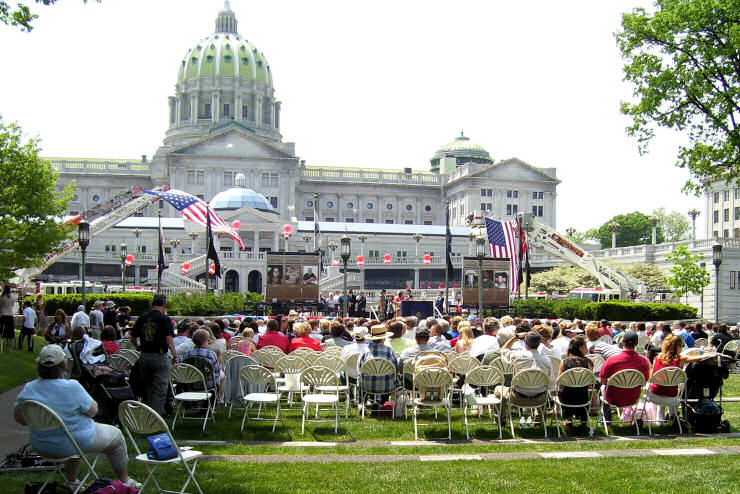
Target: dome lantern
[(226, 20), (458, 152)]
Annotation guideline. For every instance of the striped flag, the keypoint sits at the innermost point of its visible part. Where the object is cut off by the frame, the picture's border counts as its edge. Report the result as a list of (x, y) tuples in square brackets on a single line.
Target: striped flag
[(504, 239), (197, 210)]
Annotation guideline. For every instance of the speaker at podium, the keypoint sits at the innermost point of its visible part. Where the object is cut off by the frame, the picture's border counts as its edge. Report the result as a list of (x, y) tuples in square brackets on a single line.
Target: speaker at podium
[(418, 308)]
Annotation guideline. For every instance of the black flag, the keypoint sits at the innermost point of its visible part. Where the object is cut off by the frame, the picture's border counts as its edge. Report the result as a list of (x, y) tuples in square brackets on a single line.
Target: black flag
[(161, 265), (212, 254), (448, 247)]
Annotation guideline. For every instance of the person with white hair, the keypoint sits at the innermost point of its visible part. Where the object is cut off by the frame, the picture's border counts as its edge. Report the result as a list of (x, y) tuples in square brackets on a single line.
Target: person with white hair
[(80, 318), (502, 337)]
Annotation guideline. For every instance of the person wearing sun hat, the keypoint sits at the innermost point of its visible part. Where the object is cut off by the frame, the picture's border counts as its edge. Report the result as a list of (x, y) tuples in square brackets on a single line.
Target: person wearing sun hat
[(76, 408), (378, 349)]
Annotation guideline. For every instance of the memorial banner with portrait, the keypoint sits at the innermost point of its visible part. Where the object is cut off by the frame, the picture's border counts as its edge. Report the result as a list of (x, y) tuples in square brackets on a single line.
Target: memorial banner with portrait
[(292, 277), (493, 278)]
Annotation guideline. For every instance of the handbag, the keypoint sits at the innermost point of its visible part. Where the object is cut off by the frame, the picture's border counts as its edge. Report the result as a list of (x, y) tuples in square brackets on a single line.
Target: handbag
[(161, 447)]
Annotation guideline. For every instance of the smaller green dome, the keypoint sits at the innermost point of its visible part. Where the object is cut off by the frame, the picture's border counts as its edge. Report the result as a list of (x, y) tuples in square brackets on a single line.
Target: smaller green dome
[(463, 150), (463, 144)]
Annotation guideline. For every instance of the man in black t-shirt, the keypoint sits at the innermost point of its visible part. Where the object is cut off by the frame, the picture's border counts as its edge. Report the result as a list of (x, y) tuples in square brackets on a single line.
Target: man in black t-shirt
[(154, 334)]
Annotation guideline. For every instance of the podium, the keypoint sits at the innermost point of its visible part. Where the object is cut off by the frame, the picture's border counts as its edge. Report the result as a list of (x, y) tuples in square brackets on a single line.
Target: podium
[(418, 308)]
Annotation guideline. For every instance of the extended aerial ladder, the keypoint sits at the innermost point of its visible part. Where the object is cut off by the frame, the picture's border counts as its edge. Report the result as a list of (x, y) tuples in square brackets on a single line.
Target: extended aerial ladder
[(101, 217), (548, 240)]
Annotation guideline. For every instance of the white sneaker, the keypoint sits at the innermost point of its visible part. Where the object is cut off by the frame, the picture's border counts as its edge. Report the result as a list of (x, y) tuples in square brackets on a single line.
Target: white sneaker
[(132, 483)]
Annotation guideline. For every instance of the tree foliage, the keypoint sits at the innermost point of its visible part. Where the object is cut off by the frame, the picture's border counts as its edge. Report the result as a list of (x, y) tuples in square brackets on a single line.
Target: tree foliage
[(687, 276), (21, 15), (683, 60), (561, 279), (651, 274), (634, 229), (674, 225), (30, 206)]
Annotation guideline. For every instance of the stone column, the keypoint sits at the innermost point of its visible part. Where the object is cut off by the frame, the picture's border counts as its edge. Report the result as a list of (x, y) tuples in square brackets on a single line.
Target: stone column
[(194, 108), (275, 242), (238, 109), (258, 110), (276, 122), (178, 109), (215, 107), (172, 102), (256, 247), (416, 278)]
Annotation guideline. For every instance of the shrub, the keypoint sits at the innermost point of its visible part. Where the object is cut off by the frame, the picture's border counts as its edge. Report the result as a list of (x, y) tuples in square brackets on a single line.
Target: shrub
[(139, 302), (612, 310), (191, 304)]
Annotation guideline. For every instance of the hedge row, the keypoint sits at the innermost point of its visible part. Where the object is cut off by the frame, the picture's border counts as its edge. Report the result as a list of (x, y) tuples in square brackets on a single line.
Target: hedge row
[(139, 302), (612, 310), (200, 304)]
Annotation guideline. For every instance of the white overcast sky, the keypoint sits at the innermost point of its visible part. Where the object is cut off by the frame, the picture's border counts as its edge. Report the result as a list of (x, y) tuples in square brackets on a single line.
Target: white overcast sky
[(379, 84)]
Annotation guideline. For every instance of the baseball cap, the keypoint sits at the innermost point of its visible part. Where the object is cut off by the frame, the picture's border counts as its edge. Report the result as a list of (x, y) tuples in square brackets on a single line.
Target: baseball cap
[(51, 355), (360, 333), (422, 332), (630, 337)]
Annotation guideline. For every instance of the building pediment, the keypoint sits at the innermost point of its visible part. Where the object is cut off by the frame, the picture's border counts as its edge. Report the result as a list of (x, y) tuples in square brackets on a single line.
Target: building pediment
[(515, 169), (248, 214), (233, 140)]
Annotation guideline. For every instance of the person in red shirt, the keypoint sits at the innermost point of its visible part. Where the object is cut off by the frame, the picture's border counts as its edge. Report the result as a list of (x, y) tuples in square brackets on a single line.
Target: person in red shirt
[(107, 336), (302, 331), (273, 337), (604, 329), (670, 356), (626, 359)]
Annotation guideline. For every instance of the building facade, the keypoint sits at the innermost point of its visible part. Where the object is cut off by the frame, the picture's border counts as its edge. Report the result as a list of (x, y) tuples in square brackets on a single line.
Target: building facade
[(224, 128)]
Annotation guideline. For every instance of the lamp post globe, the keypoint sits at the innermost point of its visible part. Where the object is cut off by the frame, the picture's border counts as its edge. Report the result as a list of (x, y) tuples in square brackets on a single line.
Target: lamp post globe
[(344, 252)]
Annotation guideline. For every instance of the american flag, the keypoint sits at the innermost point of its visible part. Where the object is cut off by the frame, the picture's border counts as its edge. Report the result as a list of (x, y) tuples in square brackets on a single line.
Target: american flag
[(503, 238), (196, 211)]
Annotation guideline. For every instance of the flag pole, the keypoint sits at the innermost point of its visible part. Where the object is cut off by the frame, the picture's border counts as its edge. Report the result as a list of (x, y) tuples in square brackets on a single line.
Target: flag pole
[(316, 243), (159, 250), (447, 250), (209, 239)]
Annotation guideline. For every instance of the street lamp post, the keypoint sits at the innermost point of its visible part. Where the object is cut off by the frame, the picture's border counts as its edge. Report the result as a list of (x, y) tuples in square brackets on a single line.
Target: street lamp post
[(480, 253), (137, 233), (614, 226), (362, 237), (83, 239), (570, 231), (307, 237), (417, 237), (703, 267), (193, 237), (332, 246), (654, 221), (693, 213), (124, 251), (344, 252), (717, 261)]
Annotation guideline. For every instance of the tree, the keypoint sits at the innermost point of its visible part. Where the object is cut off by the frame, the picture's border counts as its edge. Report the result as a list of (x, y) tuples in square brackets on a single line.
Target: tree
[(687, 276), (30, 206), (684, 62), (634, 229), (561, 279), (674, 225), (652, 274), (21, 15)]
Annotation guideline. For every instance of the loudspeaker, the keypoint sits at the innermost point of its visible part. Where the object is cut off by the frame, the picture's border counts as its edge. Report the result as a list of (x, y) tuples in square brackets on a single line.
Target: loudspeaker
[(418, 308)]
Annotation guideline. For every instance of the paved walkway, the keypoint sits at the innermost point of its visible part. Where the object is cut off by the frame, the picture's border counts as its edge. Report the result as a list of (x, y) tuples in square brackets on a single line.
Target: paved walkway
[(12, 434), (367, 459)]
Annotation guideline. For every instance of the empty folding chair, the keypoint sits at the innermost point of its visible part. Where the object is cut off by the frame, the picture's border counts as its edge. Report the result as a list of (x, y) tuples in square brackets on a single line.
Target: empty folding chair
[(312, 379), (259, 378), (189, 377), (481, 378), (432, 387)]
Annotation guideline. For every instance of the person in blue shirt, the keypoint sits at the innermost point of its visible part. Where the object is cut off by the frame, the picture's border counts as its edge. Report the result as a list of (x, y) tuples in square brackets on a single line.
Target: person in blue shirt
[(76, 408), (684, 333)]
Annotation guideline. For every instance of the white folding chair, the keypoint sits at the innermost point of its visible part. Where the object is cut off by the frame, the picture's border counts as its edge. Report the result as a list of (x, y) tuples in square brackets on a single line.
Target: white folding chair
[(597, 360), (188, 375), (314, 378), (667, 376), (505, 367), (260, 378), (240, 361), (127, 344), (732, 348), (333, 350), (351, 361), (290, 367), (522, 395), (375, 367), (576, 378), (482, 377), (432, 388), (119, 362), (140, 420), (606, 339), (461, 366), (42, 418), (701, 342), (335, 363), (624, 379)]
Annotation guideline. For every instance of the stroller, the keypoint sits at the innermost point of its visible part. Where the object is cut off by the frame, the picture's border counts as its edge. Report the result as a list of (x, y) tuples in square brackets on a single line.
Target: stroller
[(704, 383), (108, 387)]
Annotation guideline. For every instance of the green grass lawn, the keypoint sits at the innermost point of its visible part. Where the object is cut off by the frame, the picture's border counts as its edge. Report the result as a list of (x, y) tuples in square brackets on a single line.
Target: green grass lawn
[(676, 475), (18, 367)]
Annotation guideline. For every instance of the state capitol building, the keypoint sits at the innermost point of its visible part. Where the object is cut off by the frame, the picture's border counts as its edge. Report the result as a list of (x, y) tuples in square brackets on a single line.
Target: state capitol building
[(224, 145)]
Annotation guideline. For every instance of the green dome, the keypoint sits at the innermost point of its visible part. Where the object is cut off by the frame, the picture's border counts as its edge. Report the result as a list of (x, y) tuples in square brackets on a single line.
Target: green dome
[(225, 55), (462, 150), (462, 143)]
